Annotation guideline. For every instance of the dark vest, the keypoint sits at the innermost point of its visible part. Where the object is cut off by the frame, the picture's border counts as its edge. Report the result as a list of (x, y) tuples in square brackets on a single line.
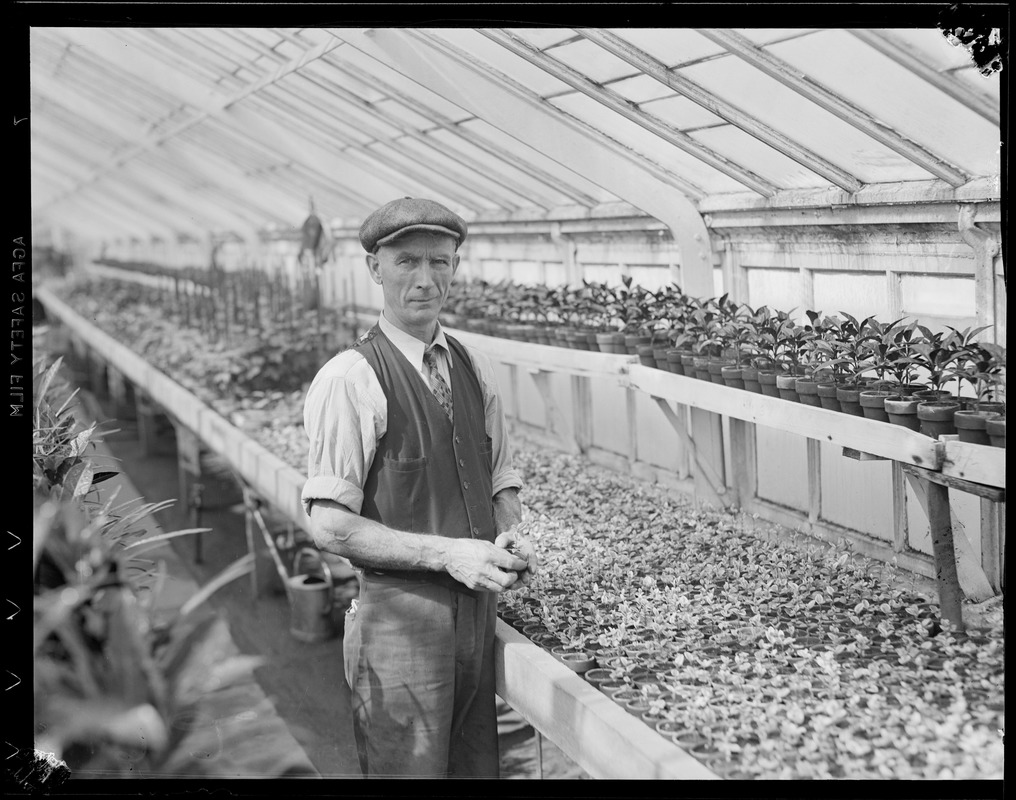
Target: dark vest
[(429, 476)]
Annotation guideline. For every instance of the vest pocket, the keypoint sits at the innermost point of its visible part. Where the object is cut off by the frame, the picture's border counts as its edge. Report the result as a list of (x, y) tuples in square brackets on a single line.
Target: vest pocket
[(403, 503), (403, 464)]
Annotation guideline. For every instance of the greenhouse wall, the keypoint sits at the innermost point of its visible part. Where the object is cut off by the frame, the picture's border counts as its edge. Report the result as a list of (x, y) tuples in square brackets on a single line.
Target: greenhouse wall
[(925, 271)]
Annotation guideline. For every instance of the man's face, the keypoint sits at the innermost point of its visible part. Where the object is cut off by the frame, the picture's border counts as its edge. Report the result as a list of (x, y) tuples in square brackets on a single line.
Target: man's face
[(415, 273)]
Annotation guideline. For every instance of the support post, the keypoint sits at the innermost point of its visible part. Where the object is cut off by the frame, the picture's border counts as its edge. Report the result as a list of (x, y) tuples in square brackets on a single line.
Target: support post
[(744, 480), (950, 596)]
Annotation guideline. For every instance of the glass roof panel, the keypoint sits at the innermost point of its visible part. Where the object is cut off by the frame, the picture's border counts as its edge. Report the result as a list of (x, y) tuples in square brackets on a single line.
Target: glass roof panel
[(671, 46), (593, 61), (897, 97), (681, 113), (788, 112), (641, 88), (435, 158), (530, 155), (386, 79), (456, 197), (516, 175), (764, 36), (743, 148), (321, 69), (544, 37), (647, 144), (502, 60), (408, 117)]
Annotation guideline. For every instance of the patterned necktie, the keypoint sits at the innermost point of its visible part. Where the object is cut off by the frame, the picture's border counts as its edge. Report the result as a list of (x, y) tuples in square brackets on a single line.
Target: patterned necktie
[(438, 385)]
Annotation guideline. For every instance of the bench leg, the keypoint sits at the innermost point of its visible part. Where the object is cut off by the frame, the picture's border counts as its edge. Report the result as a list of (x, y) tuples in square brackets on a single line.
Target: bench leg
[(950, 597)]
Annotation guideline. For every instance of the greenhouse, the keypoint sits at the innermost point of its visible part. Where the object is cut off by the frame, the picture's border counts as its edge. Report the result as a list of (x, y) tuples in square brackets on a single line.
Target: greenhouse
[(535, 402)]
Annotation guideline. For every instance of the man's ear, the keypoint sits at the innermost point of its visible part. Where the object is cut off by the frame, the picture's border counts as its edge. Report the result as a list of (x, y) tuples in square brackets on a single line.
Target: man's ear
[(374, 267), (455, 264)]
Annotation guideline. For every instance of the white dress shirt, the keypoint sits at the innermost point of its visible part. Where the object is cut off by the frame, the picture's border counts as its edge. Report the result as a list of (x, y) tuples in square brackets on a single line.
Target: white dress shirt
[(346, 414)]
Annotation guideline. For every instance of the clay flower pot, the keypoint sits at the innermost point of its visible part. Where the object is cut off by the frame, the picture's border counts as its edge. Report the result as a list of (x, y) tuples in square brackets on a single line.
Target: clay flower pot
[(873, 403), (849, 397), (660, 356), (576, 660), (732, 376), (715, 366), (675, 360), (767, 381), (903, 412), (611, 343), (932, 394), (645, 354), (995, 428), (826, 391), (786, 387), (990, 405), (749, 376), (701, 366), (971, 425), (807, 391), (937, 417), (633, 341), (598, 675)]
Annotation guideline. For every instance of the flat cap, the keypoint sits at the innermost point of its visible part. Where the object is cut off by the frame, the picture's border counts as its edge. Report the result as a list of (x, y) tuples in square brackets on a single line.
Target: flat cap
[(409, 214)]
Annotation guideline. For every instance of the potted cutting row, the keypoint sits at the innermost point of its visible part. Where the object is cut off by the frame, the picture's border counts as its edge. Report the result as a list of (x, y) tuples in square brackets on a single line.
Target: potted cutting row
[(901, 372)]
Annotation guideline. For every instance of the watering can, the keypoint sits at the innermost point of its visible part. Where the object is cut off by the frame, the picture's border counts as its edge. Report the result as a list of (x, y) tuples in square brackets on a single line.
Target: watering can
[(311, 596)]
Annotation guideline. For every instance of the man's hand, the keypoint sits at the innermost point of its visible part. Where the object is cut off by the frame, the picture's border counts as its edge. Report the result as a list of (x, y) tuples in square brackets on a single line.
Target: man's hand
[(481, 565), (517, 544)]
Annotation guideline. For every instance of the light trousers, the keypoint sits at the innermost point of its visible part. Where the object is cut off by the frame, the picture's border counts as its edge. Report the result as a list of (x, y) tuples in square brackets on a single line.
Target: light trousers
[(419, 660)]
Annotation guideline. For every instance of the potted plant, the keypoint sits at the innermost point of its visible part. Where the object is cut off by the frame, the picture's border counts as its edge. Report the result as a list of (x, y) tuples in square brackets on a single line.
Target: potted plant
[(768, 325), (979, 367), (816, 352), (883, 357), (737, 333), (791, 339), (943, 356), (850, 345)]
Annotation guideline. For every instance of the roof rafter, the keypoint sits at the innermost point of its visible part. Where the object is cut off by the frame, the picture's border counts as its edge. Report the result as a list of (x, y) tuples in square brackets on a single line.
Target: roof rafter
[(516, 111), (825, 98), (627, 109), (208, 102), (407, 130), (735, 116), (465, 134), (456, 177)]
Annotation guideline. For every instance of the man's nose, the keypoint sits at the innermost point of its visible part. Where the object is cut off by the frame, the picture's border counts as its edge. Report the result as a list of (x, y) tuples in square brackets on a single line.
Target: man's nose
[(425, 275)]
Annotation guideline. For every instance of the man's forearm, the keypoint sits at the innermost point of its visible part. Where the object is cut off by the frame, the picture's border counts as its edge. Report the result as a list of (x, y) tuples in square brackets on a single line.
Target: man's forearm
[(370, 544), (507, 509)]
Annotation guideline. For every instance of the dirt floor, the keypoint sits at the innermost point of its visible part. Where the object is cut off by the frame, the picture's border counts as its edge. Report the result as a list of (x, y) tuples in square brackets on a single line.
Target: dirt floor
[(304, 680)]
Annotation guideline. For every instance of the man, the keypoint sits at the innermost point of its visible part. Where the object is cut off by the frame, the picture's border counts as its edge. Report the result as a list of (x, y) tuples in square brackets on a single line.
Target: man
[(411, 479)]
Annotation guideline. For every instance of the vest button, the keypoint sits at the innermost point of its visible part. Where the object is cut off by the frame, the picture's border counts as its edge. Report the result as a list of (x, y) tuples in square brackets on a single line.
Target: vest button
[(465, 484), (462, 462), (476, 531)]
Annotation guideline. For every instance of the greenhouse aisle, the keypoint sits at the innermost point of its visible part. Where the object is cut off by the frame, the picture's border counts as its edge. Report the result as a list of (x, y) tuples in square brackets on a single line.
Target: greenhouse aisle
[(303, 680)]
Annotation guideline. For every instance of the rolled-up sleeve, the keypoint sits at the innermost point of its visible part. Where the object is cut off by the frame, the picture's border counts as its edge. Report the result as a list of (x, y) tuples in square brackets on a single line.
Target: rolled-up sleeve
[(505, 476), (343, 421)]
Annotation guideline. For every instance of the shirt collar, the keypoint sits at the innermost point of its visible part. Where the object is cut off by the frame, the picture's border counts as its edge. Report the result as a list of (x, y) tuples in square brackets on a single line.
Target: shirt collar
[(411, 347)]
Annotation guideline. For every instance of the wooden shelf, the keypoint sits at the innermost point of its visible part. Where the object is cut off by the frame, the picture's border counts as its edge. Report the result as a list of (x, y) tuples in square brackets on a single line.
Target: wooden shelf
[(268, 475), (590, 728), (548, 358)]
